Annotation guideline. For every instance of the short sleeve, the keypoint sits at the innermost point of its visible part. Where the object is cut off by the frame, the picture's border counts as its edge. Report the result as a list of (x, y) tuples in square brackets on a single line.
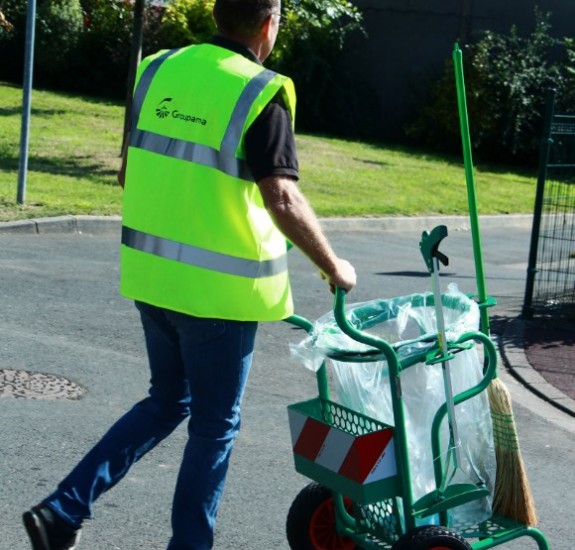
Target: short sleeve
[(270, 144)]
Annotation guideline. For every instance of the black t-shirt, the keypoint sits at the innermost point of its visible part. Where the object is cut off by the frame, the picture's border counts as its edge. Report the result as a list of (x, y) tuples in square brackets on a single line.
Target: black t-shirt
[(269, 142)]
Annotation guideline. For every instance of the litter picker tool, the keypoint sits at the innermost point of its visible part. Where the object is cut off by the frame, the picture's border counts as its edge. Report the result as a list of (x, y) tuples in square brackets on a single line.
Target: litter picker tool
[(429, 247), (513, 498)]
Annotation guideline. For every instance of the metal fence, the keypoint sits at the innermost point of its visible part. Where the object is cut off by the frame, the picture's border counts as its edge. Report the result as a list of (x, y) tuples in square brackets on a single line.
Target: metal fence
[(550, 285)]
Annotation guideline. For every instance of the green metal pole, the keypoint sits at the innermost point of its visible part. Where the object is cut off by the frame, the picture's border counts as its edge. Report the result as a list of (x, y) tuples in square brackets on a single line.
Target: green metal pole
[(544, 149), (471, 193)]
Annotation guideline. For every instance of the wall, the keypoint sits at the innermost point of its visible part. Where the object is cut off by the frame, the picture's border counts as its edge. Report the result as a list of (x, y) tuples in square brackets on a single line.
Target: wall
[(410, 40)]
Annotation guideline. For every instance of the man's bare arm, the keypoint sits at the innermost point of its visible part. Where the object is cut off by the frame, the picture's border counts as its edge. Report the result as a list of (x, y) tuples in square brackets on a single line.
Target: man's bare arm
[(296, 219)]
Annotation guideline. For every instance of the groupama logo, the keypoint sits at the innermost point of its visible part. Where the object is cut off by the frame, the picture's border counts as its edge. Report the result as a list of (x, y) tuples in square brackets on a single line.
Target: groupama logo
[(162, 110)]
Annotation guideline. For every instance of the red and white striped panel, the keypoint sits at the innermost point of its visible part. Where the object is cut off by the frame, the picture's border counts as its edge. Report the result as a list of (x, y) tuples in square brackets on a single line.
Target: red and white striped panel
[(363, 459)]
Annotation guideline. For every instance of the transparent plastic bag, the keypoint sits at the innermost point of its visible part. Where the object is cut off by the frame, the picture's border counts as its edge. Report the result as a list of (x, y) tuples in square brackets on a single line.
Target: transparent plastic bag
[(409, 325), (406, 322)]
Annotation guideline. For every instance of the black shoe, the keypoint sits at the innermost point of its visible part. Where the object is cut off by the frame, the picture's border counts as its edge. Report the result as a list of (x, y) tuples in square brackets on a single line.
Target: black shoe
[(48, 532)]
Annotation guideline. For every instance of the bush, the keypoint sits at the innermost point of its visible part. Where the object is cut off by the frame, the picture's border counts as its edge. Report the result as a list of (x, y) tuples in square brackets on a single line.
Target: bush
[(181, 23), (101, 61), (89, 51), (566, 101), (12, 40), (307, 50), (58, 30), (59, 24), (506, 77)]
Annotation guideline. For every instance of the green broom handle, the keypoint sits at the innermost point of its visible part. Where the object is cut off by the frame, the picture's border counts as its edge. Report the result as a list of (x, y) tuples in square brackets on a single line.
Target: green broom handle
[(471, 194)]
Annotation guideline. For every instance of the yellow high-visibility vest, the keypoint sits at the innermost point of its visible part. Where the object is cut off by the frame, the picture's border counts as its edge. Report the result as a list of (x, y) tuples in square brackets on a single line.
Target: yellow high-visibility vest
[(196, 236)]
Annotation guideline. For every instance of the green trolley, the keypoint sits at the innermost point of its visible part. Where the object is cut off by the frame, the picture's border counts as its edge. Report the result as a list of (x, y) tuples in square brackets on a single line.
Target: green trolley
[(362, 494), (365, 499)]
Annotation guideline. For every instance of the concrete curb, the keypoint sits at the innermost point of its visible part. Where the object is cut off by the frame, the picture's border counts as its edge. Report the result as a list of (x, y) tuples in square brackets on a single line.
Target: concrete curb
[(514, 358), (62, 224), (104, 224), (421, 223)]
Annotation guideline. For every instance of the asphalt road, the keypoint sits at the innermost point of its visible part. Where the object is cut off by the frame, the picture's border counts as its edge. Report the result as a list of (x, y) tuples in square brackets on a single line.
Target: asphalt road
[(61, 314)]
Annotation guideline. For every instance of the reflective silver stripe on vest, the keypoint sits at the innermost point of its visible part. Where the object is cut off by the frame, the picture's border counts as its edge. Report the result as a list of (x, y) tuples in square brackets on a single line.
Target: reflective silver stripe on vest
[(223, 160), (192, 152), (242, 109), (144, 85), (200, 257)]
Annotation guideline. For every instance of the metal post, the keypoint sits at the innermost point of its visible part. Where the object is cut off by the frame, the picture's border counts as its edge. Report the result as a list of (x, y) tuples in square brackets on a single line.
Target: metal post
[(545, 146), (135, 58), (26, 101)]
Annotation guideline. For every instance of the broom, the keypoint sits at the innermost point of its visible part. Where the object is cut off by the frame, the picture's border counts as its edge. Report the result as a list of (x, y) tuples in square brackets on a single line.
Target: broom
[(513, 498)]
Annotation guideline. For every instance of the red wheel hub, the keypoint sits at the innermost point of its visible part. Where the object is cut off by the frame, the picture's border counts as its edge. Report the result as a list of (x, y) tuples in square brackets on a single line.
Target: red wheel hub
[(322, 528)]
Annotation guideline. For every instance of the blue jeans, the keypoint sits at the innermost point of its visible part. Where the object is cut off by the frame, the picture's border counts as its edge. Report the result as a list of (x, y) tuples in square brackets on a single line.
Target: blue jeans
[(199, 368)]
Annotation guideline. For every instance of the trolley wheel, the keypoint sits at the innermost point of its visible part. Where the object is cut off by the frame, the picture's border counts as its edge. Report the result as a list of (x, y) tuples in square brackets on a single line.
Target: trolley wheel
[(311, 521), (431, 537)]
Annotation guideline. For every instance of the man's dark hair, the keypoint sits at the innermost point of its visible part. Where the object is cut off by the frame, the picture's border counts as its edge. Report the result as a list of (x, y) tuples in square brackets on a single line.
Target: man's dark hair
[(243, 18)]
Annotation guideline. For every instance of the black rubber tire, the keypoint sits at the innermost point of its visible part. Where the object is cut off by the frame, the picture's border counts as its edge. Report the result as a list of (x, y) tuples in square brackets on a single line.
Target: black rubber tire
[(307, 511), (431, 537)]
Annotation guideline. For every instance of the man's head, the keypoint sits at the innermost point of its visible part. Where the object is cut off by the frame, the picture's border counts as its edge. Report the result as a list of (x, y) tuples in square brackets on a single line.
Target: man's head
[(253, 22)]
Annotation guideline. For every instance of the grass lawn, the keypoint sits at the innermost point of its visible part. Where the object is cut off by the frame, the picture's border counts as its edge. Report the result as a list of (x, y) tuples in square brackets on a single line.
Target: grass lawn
[(74, 155)]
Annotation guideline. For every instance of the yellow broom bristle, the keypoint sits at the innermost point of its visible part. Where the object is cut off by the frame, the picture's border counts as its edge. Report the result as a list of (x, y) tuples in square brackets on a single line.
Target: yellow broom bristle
[(513, 498)]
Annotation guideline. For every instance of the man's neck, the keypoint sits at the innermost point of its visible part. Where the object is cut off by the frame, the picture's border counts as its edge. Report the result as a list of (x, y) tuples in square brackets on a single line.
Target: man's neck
[(235, 45), (253, 44)]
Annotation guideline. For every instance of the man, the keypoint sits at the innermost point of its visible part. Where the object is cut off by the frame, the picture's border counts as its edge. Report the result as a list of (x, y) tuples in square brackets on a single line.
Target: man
[(210, 197)]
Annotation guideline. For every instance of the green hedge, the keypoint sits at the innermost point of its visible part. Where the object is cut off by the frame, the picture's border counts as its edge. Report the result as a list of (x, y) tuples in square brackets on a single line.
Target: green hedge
[(506, 78), (84, 46)]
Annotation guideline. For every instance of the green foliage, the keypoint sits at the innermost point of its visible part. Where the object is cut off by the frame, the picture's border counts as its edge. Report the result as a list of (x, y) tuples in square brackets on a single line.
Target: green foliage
[(183, 22), (566, 101), (103, 55), (84, 46), (81, 45), (109, 23), (335, 18), (12, 39), (307, 49), (59, 25), (506, 77), (58, 30)]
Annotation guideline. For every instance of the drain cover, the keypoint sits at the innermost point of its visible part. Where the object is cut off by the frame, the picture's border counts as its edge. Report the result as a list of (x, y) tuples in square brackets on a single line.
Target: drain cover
[(36, 385)]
